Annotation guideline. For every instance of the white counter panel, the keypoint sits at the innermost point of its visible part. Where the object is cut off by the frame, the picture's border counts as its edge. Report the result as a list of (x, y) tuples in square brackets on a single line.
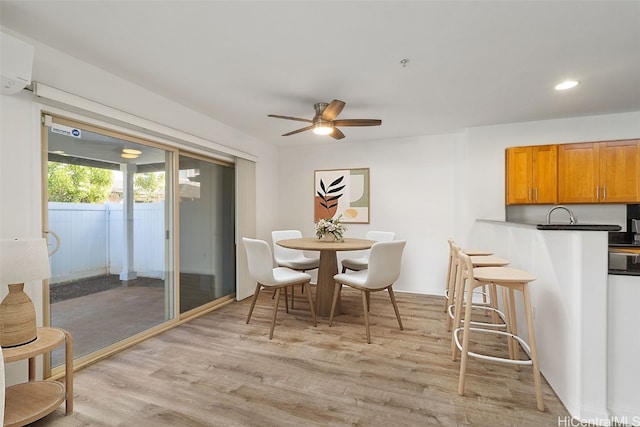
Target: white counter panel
[(569, 300), (624, 348)]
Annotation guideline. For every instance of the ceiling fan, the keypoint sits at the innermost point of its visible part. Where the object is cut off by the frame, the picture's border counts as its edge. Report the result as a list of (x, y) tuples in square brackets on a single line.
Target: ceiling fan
[(325, 123)]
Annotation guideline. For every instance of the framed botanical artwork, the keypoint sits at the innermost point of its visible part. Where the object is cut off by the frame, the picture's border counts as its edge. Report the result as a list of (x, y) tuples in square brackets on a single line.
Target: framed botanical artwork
[(342, 192)]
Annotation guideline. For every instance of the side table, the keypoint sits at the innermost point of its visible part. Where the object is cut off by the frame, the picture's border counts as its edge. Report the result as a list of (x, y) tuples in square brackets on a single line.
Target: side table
[(30, 401)]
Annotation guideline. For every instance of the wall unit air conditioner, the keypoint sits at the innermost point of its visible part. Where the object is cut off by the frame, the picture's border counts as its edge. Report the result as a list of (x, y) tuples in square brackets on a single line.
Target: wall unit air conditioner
[(16, 63)]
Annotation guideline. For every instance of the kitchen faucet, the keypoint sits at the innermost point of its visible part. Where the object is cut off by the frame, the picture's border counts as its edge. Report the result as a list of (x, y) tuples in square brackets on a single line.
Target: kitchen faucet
[(572, 217)]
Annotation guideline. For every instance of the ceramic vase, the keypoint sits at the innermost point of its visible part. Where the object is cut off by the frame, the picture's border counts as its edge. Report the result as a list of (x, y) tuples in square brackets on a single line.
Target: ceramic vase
[(17, 318), (329, 237)]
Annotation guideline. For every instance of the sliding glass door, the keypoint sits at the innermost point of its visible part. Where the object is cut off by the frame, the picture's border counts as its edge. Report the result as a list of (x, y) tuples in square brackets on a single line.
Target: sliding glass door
[(140, 234), (207, 248), (109, 220)]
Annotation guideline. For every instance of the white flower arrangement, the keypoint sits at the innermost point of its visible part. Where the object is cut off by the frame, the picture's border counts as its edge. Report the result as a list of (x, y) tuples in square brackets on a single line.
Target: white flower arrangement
[(330, 226)]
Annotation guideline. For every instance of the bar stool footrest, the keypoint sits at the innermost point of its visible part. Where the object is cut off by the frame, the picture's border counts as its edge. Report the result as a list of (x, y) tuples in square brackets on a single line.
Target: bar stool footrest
[(522, 342), (485, 324)]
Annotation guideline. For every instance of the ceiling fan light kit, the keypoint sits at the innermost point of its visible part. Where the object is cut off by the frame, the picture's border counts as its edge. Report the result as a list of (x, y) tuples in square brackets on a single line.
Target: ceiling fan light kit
[(325, 123), (322, 128)]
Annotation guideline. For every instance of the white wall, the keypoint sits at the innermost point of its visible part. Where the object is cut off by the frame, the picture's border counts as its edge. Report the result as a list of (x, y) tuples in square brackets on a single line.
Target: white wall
[(429, 188), (411, 193)]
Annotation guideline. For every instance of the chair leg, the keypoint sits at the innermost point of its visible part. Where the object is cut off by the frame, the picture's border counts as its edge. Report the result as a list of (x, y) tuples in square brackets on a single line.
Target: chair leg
[(313, 310), (465, 339), (395, 306), (507, 319), (293, 295), (275, 312), (336, 293), (366, 315), (286, 300), (447, 290), (368, 301), (454, 290), (532, 345), (253, 302), (513, 321), (457, 317)]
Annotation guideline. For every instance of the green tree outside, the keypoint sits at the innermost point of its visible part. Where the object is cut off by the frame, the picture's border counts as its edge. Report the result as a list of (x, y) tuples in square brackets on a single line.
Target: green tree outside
[(83, 184), (78, 184), (147, 187)]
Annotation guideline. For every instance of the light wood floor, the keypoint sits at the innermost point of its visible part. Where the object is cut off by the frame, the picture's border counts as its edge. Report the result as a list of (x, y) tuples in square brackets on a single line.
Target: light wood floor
[(219, 371)]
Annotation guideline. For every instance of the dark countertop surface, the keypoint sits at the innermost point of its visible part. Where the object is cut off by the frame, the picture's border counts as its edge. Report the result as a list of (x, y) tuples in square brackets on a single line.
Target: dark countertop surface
[(579, 227)]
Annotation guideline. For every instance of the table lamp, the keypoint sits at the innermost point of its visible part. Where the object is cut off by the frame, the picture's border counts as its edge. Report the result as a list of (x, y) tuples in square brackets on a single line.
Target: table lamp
[(21, 260)]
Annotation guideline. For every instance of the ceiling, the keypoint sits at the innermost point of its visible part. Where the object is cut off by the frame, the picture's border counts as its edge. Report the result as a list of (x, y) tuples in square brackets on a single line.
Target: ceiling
[(470, 63)]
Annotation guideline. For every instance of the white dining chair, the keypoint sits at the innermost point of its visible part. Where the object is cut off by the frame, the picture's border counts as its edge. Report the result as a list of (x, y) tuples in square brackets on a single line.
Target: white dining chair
[(357, 264), (292, 258), (385, 261), (261, 268)]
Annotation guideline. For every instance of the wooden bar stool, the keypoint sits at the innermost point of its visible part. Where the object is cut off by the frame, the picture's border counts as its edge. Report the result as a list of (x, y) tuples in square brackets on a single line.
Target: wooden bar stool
[(451, 270), (510, 280), (487, 304)]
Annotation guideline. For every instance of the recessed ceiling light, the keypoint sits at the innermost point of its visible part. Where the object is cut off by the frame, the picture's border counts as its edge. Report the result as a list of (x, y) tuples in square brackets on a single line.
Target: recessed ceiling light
[(567, 84), (131, 151), (129, 156)]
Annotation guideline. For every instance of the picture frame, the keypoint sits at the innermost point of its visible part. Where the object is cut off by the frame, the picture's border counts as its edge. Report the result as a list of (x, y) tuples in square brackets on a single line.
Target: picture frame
[(342, 192)]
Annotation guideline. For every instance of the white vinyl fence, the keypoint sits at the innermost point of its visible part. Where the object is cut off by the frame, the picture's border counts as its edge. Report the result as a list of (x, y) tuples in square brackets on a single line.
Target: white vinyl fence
[(92, 239)]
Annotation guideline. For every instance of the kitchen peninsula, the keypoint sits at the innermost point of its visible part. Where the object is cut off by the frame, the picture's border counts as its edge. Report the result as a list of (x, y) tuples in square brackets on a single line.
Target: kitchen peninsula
[(584, 341)]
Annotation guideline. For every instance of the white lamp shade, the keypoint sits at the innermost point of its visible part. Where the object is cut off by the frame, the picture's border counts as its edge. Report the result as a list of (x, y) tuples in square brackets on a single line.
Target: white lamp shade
[(22, 260)]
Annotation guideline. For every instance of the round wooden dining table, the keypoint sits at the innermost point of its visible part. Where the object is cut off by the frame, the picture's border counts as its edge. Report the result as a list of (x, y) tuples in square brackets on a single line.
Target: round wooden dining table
[(328, 265)]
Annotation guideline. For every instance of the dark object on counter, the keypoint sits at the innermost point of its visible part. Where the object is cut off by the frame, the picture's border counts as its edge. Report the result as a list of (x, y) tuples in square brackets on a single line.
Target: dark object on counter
[(625, 264), (579, 227)]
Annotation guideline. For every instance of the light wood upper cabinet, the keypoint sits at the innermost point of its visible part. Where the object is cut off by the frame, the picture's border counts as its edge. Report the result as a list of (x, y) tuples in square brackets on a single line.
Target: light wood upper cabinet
[(532, 175), (620, 171), (599, 172), (578, 177)]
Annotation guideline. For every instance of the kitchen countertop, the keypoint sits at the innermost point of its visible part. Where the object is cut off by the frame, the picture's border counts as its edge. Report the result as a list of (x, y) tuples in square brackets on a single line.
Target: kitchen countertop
[(556, 226), (579, 227)]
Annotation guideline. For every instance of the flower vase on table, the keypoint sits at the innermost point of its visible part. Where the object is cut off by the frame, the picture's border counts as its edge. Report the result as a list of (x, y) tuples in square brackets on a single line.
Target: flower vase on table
[(330, 230), (329, 237)]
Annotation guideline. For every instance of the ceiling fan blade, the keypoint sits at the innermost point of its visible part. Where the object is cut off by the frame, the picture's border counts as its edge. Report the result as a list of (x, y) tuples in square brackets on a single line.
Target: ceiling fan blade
[(337, 133), (332, 110), (298, 131), (290, 118), (357, 122)]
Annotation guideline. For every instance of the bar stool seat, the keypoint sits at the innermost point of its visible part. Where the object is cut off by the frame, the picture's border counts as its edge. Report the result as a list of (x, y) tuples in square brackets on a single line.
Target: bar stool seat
[(487, 261), (477, 252), (509, 280)]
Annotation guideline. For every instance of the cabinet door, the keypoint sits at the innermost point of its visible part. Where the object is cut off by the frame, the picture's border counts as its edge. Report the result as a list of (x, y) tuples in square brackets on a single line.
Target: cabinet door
[(619, 171), (545, 174), (519, 168), (578, 173)]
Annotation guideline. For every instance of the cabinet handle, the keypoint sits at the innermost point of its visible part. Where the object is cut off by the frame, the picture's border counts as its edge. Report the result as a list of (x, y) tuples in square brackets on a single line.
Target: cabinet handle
[(536, 194), (597, 193), (529, 196), (604, 193)]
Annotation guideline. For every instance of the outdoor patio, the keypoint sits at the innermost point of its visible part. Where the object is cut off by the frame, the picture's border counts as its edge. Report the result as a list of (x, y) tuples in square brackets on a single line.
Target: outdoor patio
[(103, 310)]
